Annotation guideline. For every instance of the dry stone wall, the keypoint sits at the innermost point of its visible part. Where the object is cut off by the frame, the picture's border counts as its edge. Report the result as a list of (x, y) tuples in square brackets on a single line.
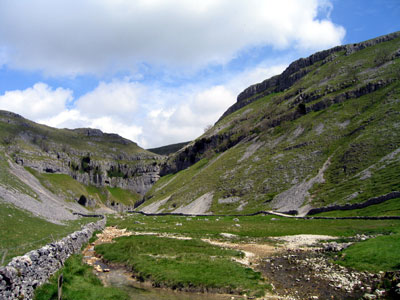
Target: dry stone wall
[(23, 274), (372, 201)]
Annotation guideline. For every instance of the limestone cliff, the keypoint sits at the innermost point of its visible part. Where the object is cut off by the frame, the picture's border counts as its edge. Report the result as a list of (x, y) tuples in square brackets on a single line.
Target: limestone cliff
[(324, 132), (90, 156)]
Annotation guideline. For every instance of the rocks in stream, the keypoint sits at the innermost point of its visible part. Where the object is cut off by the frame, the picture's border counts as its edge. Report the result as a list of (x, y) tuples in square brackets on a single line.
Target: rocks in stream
[(305, 274), (335, 247)]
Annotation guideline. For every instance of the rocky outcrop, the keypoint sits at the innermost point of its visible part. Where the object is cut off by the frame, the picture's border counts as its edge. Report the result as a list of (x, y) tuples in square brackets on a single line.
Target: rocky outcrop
[(196, 150), (296, 71), (24, 274), (88, 155), (135, 174), (302, 109)]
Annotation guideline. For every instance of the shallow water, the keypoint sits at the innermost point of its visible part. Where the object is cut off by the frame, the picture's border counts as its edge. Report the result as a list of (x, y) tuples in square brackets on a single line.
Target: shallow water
[(119, 277), (139, 291)]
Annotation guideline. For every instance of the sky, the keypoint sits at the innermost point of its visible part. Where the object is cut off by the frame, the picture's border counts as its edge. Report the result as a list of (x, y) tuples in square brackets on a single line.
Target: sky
[(160, 71)]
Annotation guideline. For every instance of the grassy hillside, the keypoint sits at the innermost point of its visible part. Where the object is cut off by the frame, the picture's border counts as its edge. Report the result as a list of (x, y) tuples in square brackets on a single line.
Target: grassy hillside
[(16, 130), (30, 141), (331, 137), (73, 163), (21, 231), (71, 190), (166, 150)]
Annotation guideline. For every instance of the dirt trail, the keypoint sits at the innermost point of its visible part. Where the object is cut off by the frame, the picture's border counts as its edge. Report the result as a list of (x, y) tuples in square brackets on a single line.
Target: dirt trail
[(107, 236), (253, 252)]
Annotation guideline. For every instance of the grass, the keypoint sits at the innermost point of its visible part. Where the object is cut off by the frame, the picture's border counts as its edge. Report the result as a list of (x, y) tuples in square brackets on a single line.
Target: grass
[(21, 232), (79, 283), (369, 134), (252, 228), (71, 189), (159, 258), (183, 264), (378, 254), (60, 184), (123, 196)]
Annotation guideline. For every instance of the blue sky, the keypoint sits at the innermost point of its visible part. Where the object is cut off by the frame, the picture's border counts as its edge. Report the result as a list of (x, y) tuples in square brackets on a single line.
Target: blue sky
[(159, 71)]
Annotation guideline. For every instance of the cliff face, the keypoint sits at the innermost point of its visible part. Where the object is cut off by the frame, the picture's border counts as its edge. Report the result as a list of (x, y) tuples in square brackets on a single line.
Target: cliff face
[(297, 70), (218, 142), (135, 173), (325, 131), (89, 156)]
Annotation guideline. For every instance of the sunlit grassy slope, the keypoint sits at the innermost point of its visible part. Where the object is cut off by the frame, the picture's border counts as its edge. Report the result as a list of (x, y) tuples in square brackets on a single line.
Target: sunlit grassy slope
[(282, 140), (62, 184)]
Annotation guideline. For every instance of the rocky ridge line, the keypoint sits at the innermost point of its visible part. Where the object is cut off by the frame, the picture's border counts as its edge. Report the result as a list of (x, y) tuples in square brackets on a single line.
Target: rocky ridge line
[(296, 70)]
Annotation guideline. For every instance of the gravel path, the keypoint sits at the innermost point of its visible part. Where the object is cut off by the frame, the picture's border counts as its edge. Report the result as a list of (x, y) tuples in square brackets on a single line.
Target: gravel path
[(299, 241)]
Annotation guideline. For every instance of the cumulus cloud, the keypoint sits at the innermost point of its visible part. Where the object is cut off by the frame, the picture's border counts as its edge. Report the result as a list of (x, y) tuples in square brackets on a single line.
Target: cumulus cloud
[(195, 108), (74, 118), (117, 99), (69, 37), (147, 114), (36, 102)]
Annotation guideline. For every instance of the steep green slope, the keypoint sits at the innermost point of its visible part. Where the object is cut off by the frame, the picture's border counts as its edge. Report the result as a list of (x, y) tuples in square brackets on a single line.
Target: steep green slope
[(168, 149), (324, 131), (71, 190)]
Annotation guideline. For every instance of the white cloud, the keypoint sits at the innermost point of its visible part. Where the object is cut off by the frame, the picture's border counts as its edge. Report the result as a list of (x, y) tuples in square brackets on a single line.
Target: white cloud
[(195, 108), (149, 115), (255, 75), (117, 99), (70, 37), (324, 32), (36, 102), (74, 118)]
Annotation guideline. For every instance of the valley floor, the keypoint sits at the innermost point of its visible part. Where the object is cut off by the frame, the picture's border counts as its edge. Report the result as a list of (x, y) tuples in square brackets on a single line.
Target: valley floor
[(282, 258), (295, 268)]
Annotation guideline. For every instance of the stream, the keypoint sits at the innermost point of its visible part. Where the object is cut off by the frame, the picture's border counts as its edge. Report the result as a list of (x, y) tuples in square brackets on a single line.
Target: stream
[(118, 277), (121, 278), (296, 273)]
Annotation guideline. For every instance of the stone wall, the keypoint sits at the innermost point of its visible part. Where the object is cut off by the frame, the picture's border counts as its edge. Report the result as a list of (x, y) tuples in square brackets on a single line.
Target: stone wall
[(23, 274), (372, 201)]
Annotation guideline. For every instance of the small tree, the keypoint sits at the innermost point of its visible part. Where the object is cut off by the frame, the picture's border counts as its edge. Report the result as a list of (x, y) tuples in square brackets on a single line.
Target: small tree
[(207, 128)]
